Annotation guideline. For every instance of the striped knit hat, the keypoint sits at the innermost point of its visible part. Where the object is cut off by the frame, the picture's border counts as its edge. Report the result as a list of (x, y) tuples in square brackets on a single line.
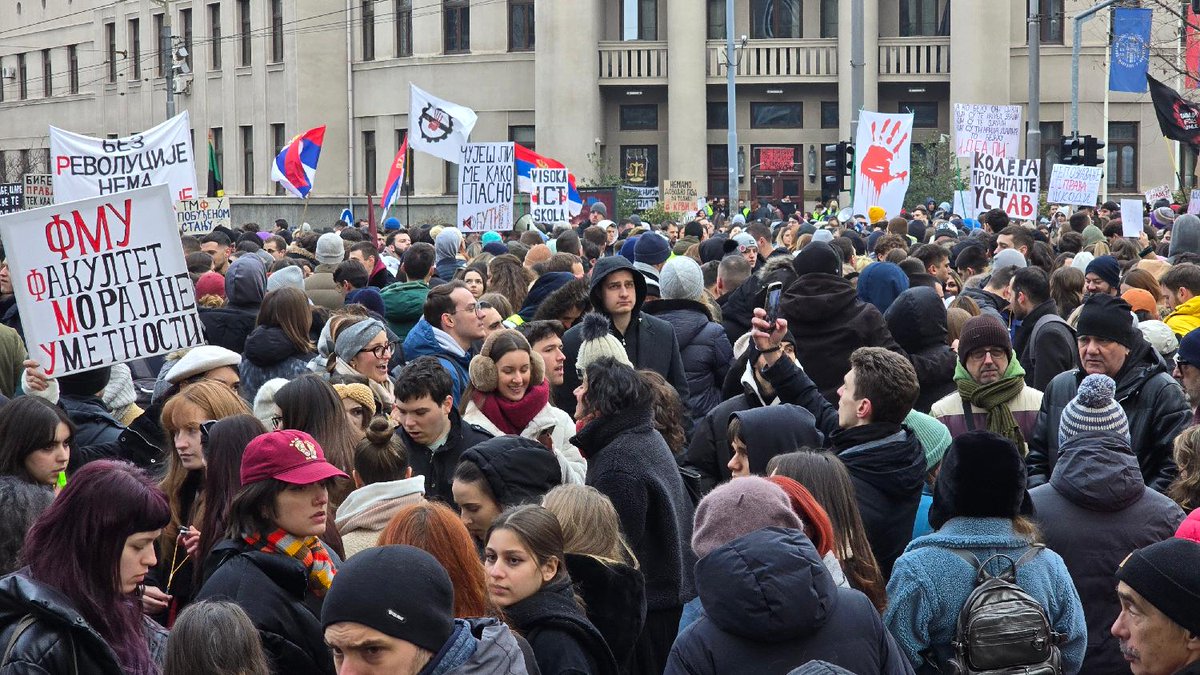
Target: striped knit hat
[(1093, 409)]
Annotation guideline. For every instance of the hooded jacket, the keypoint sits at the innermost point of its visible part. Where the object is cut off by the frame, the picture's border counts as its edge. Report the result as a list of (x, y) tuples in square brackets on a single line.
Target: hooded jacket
[(403, 304), (830, 322), (517, 470), (541, 289), (563, 640), (1153, 402), (99, 435), (425, 340), (561, 428), (46, 645), (880, 284), (497, 651), (1094, 512), (367, 510), (989, 303), (776, 430), (614, 596), (437, 466), (771, 606), (245, 285), (703, 346), (709, 451), (917, 320), (269, 354), (649, 341)]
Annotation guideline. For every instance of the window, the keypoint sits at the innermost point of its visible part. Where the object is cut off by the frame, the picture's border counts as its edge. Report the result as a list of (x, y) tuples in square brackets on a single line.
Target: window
[(639, 165), (639, 19), (276, 31), (641, 117), (47, 74), (72, 68), (245, 50), (520, 25), (718, 115), (247, 160), (718, 170), (218, 144), (185, 22), (24, 166), (925, 113), (22, 78), (369, 159), (110, 44), (525, 135), (406, 187), (214, 33), (920, 17), (135, 50), (160, 62), (456, 26), (404, 46), (1187, 167), (1052, 19), (1122, 155), (829, 115), (1052, 133), (368, 30), (451, 178), (776, 116), (278, 140), (716, 25), (829, 18), (775, 19)]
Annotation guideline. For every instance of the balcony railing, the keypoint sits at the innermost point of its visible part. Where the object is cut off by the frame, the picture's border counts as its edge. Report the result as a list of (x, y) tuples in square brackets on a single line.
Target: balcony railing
[(633, 62), (813, 60), (907, 59)]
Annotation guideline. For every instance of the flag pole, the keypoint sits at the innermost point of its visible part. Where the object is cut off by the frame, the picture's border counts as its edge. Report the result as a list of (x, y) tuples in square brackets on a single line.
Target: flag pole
[(1174, 161), (304, 214)]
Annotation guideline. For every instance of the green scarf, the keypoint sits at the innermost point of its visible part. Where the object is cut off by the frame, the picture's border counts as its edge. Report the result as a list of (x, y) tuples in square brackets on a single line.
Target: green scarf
[(994, 399)]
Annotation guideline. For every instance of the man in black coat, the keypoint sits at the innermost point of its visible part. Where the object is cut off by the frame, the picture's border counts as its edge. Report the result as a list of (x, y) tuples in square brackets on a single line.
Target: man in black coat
[(1045, 343), (431, 429)]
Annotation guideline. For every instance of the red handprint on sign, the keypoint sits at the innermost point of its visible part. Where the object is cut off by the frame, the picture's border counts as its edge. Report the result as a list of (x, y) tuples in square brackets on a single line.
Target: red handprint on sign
[(876, 163)]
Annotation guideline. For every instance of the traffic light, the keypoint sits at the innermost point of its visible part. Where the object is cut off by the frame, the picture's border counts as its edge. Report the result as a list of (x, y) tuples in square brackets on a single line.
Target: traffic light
[(847, 150), (1070, 149), (839, 163), (1091, 151), (837, 159)]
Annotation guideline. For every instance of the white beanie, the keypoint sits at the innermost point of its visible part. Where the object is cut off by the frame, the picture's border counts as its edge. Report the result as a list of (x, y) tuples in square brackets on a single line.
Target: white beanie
[(201, 360)]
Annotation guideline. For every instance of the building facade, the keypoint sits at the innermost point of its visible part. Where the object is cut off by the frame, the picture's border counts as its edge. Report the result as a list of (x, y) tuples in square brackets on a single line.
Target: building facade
[(625, 89)]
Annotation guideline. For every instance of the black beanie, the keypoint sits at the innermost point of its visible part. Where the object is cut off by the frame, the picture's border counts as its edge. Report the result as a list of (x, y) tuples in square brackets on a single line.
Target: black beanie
[(1167, 575), (1107, 317), (85, 383), (401, 591), (982, 476), (817, 257)]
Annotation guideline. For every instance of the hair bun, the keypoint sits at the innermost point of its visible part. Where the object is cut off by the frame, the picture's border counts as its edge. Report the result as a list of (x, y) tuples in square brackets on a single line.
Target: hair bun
[(380, 430)]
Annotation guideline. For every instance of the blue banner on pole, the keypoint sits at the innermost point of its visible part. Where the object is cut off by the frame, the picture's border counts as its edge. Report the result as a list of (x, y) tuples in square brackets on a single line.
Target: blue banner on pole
[(1130, 50)]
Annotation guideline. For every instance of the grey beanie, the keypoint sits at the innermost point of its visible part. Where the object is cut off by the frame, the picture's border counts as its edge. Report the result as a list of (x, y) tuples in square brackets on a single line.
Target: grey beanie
[(1185, 235), (681, 279), (331, 250), (355, 338), (823, 235), (1093, 409), (1009, 257), (291, 275)]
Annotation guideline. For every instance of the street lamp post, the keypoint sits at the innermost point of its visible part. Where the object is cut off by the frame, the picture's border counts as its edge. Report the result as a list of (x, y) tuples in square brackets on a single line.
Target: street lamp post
[(731, 105)]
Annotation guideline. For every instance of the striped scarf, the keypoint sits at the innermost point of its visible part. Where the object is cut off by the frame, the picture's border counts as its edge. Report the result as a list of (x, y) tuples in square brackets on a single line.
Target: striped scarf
[(308, 551)]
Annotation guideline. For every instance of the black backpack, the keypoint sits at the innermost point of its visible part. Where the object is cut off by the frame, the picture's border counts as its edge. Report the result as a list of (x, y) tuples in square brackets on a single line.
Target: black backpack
[(1002, 630)]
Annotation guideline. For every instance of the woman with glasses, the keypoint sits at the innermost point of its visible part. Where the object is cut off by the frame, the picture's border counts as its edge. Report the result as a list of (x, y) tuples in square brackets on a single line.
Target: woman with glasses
[(363, 346), (279, 346)]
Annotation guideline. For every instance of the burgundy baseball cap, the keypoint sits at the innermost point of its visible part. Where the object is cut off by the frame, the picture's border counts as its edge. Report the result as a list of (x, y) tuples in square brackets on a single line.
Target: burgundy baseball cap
[(287, 455)]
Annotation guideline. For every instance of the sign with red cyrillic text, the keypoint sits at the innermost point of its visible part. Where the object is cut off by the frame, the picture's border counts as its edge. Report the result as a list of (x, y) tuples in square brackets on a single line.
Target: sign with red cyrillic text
[(1008, 184), (101, 281), (1074, 185)]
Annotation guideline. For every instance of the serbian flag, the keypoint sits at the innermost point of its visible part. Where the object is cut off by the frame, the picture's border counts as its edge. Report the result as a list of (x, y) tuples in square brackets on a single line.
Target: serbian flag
[(395, 179), (295, 166), (528, 160)]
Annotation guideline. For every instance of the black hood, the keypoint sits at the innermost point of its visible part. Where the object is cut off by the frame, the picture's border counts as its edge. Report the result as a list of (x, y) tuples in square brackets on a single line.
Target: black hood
[(267, 346), (767, 586), (606, 266), (1097, 471), (894, 465), (518, 470), (542, 288), (817, 297), (776, 430), (1143, 363), (917, 319), (554, 607)]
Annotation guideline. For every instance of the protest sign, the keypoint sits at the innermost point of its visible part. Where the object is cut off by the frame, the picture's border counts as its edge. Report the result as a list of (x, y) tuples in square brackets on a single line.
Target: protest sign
[(1075, 185), (883, 149), (1132, 219), (486, 172), (990, 129), (11, 197), (1157, 193), (776, 159), (200, 216), (643, 197), (101, 280), (963, 205), (548, 204), (1008, 184), (39, 190), (679, 196), (91, 167), (1194, 202)]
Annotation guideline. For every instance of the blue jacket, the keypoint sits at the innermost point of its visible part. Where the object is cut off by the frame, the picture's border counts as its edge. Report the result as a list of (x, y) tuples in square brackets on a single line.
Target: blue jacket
[(425, 340), (929, 586)]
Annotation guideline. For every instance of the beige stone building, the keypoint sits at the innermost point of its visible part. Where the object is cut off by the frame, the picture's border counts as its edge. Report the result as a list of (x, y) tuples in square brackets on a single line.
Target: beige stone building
[(628, 87)]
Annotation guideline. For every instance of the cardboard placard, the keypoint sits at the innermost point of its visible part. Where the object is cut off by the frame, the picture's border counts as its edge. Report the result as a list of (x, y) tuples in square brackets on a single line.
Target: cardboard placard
[(1131, 218), (198, 217), (1074, 185), (486, 175), (679, 196), (1010, 185)]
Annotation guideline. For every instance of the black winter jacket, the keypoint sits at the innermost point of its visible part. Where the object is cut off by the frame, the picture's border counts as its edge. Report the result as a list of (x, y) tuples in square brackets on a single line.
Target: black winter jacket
[(1096, 510), (737, 308), (709, 451), (563, 640), (705, 350), (614, 595), (770, 605), (829, 321), (1055, 351), (269, 354), (917, 319), (437, 466), (98, 435), (273, 589), (59, 641), (1153, 402), (245, 286), (629, 462)]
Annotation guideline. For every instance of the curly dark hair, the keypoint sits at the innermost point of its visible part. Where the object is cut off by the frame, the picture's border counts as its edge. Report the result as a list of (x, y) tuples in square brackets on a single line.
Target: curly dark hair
[(572, 295), (669, 412)]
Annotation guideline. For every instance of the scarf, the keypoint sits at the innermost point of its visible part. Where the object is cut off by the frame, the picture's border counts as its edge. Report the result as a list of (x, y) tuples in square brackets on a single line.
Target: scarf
[(382, 390), (994, 399), (308, 551), (512, 417)]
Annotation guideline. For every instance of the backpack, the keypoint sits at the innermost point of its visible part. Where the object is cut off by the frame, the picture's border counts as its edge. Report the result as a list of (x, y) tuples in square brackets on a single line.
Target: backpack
[(1002, 630)]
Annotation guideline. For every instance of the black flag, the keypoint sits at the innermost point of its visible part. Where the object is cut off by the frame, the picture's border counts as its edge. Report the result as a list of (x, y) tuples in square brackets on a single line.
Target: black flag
[(1178, 118)]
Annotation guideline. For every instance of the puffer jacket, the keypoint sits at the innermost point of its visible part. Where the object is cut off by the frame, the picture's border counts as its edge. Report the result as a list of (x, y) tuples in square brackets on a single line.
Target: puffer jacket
[(58, 641), (770, 605), (917, 320), (830, 322), (1096, 510), (1185, 318), (1153, 401), (497, 651), (425, 340), (269, 354), (703, 346), (322, 289), (245, 286), (402, 306)]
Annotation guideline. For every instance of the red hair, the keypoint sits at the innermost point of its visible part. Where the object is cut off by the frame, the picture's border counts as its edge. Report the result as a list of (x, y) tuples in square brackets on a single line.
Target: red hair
[(816, 521)]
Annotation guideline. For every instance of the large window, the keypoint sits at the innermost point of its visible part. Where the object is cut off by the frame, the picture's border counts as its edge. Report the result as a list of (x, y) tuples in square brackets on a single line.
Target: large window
[(639, 19), (72, 69), (404, 46), (47, 74), (247, 160), (368, 30), (245, 50), (276, 31), (160, 62), (925, 113), (520, 25), (1121, 166), (716, 21), (1052, 20), (135, 50), (451, 178), (718, 115), (185, 22), (777, 115), (920, 17), (639, 165), (718, 170), (640, 117), (214, 33), (830, 116), (829, 18), (775, 18), (23, 76), (456, 28), (278, 140), (524, 134), (218, 143), (369, 159), (1052, 134), (110, 53)]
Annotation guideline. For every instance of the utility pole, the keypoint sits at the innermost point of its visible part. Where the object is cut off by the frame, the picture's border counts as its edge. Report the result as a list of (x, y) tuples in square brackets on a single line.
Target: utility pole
[(1033, 135), (858, 65)]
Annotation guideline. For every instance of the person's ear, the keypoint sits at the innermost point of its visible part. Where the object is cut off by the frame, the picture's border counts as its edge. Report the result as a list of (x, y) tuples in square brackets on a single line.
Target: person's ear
[(358, 479), (865, 410), (447, 405), (549, 570)]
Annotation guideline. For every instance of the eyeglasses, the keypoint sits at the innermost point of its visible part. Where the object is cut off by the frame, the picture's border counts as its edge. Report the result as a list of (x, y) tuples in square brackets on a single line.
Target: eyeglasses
[(277, 422), (995, 352), (474, 308), (380, 351)]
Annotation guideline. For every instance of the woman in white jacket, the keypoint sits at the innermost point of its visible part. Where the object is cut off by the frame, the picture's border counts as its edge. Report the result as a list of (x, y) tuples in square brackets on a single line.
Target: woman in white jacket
[(509, 395)]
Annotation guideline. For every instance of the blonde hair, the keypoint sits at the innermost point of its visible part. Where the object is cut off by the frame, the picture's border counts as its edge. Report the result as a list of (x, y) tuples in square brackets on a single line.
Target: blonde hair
[(1185, 490), (589, 523)]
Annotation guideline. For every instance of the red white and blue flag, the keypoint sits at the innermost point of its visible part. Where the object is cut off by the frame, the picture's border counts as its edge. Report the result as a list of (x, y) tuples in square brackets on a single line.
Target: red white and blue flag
[(395, 179), (295, 166), (528, 160)]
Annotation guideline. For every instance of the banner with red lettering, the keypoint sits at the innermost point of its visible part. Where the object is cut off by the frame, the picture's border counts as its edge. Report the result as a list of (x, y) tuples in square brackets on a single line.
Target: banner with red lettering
[(101, 281), (84, 167)]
